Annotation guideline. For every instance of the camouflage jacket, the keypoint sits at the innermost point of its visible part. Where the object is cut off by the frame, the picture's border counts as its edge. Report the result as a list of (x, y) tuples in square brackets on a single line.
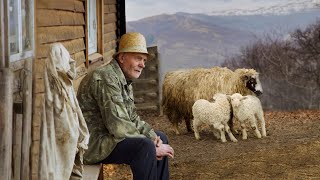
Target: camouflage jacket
[(106, 101)]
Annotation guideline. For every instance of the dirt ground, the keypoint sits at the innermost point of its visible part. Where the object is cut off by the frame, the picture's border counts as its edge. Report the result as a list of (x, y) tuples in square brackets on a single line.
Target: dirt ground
[(291, 150)]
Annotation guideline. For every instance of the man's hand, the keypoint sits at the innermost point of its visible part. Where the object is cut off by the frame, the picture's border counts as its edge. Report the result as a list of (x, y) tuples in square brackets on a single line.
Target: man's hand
[(164, 150), (157, 141)]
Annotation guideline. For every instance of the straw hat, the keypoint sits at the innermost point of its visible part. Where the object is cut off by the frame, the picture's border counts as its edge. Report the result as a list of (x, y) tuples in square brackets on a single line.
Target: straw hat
[(132, 42)]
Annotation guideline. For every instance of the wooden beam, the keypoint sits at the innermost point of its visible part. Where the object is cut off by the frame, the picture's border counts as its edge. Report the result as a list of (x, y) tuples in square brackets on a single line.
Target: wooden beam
[(109, 27), (110, 18)]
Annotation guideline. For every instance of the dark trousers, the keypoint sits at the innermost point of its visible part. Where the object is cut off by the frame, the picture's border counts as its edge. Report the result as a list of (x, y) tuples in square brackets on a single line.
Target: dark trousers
[(140, 154)]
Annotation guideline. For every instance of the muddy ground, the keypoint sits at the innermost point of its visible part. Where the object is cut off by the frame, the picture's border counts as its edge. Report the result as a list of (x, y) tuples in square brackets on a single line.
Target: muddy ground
[(290, 151)]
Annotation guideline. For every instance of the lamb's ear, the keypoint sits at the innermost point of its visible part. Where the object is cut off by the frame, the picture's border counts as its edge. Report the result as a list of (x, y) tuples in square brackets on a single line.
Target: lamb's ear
[(229, 97), (243, 98), (245, 77)]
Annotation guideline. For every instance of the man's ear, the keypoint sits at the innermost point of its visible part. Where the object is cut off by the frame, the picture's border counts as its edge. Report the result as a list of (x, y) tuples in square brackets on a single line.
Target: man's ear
[(121, 57)]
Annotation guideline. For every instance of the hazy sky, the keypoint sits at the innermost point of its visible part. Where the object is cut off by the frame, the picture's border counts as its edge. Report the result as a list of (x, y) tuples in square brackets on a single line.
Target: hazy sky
[(137, 9)]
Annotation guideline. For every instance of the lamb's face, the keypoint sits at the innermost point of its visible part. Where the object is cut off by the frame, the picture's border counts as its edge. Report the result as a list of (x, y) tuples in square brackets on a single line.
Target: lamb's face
[(219, 96), (236, 99)]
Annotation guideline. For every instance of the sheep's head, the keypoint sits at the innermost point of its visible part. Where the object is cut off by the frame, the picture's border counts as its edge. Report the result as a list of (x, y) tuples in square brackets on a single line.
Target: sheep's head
[(236, 99), (219, 96), (251, 80)]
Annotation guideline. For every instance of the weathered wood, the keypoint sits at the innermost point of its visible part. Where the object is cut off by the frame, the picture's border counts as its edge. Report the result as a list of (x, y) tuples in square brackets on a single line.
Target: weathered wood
[(59, 33), (110, 18), (110, 8), (17, 65), (109, 27), (6, 79), (110, 46), (110, 36), (77, 82), (27, 120), (81, 71), (17, 144), (79, 57), (70, 5), (107, 56), (46, 17), (73, 46), (110, 1)]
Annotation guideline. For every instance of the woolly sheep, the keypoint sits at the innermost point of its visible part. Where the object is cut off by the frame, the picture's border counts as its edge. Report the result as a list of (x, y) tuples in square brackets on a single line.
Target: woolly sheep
[(182, 88), (216, 114), (248, 108)]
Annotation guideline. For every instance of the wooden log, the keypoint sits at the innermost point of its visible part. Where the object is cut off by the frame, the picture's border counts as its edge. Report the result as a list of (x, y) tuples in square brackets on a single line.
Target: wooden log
[(109, 27), (110, 18), (69, 5), (17, 144), (73, 46), (109, 46), (6, 79), (110, 36), (48, 17), (107, 56), (79, 57), (110, 1), (110, 8), (59, 33)]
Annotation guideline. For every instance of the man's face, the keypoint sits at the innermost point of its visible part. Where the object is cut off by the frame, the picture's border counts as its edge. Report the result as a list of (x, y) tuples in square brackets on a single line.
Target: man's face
[(132, 64)]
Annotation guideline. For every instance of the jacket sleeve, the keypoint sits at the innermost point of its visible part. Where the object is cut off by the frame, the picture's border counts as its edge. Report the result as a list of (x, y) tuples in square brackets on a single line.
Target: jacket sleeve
[(113, 109)]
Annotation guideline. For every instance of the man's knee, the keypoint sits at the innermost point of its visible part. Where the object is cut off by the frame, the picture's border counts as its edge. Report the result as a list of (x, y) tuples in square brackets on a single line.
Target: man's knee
[(163, 136)]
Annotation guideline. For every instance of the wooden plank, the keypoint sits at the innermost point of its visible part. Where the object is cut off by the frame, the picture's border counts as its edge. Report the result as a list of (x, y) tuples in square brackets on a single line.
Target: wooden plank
[(110, 1), (110, 36), (109, 27), (69, 5), (47, 17), (16, 145), (81, 71), (79, 57), (27, 120), (110, 18), (110, 45), (73, 46), (107, 56), (59, 33), (110, 8)]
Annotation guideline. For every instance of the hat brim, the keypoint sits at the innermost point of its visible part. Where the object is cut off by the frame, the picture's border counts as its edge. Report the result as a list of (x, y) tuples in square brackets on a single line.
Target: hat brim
[(149, 55)]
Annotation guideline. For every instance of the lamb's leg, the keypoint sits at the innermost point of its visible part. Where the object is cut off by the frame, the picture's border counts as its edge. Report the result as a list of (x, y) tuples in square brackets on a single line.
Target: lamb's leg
[(255, 128), (232, 138), (220, 127), (216, 133), (188, 124), (195, 128), (262, 123), (175, 127), (244, 130)]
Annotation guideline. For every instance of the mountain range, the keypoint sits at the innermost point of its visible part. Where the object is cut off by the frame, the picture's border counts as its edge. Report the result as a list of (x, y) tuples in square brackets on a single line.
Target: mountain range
[(187, 40)]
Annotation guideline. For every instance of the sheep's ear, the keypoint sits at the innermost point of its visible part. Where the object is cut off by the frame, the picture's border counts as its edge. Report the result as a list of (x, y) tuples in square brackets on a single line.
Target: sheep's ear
[(245, 78), (229, 97)]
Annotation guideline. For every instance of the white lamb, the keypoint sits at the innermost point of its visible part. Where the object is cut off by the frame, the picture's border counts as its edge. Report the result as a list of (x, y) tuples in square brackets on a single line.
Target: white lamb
[(248, 108), (216, 114)]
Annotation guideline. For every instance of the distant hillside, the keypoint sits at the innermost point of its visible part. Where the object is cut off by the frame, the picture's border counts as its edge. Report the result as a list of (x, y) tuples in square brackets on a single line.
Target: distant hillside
[(191, 40)]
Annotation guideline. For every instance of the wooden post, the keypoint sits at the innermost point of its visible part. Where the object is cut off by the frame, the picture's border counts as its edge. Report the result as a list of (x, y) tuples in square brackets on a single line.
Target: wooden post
[(6, 97), (27, 121)]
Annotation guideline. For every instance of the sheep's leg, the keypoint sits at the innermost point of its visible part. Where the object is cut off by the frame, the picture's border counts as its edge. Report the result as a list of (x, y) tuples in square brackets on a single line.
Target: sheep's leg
[(216, 133), (175, 127), (255, 128), (232, 138), (220, 127), (195, 128), (188, 124), (244, 130), (260, 118)]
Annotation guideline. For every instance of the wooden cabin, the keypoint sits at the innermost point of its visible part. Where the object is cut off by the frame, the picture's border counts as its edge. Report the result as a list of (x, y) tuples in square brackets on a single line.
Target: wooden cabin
[(89, 29)]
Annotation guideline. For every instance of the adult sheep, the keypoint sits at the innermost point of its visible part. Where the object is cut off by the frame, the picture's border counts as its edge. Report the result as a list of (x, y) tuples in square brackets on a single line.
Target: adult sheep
[(182, 88)]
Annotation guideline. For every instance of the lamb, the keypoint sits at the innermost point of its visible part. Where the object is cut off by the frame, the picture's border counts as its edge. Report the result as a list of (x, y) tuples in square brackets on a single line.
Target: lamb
[(248, 108), (182, 88), (215, 113)]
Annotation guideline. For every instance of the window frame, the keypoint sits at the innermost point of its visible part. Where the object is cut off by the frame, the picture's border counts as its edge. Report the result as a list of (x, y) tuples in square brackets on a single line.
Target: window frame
[(23, 54)]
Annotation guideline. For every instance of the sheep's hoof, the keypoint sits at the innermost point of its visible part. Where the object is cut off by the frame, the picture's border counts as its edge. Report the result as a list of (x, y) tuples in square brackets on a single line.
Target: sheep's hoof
[(234, 140)]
